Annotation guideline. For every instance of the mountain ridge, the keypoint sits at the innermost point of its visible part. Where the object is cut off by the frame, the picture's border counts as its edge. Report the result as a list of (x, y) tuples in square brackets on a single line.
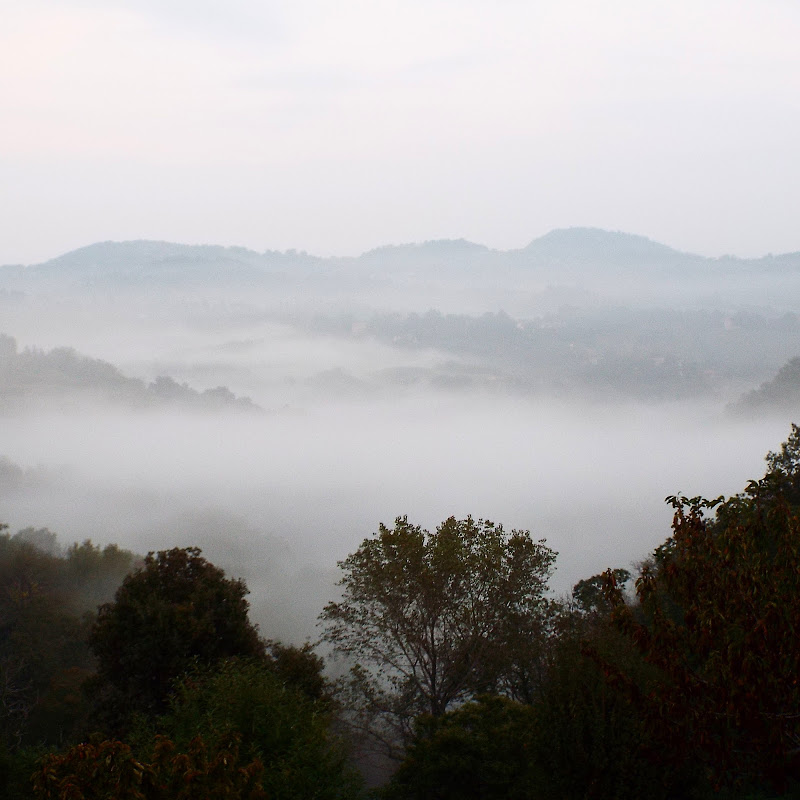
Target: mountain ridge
[(599, 240), (594, 258), (558, 237)]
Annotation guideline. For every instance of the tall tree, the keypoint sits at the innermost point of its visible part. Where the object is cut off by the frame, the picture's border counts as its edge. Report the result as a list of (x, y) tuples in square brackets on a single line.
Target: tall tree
[(431, 619), (176, 610), (717, 615)]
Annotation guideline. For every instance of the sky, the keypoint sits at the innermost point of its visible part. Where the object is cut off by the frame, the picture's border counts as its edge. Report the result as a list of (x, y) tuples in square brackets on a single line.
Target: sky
[(335, 127)]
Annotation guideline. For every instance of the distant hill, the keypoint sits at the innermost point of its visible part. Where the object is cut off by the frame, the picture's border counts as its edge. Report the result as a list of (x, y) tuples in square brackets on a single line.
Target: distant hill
[(781, 394), (589, 257), (62, 377), (426, 252), (155, 263), (588, 247)]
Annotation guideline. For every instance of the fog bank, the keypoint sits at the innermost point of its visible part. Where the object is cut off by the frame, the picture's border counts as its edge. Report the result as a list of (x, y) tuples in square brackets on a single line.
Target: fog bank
[(278, 499)]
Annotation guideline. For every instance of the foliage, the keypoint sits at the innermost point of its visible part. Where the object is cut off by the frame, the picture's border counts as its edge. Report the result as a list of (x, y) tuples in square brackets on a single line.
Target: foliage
[(783, 469), (176, 610), (44, 656), (432, 619), (588, 593), (94, 574), (299, 667), (481, 750), (276, 723), (109, 770), (16, 768), (579, 737), (718, 618), (589, 738)]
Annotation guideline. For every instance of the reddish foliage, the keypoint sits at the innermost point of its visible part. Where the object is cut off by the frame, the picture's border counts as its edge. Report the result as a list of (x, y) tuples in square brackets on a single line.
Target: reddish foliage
[(718, 615), (108, 770)]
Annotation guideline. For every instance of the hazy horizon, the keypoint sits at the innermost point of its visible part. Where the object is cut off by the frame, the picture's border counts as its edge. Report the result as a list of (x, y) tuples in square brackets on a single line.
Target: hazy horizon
[(335, 130), (565, 391), (405, 244)]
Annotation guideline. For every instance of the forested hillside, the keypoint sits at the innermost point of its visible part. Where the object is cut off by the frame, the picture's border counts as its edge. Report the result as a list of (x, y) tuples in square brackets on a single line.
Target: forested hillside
[(139, 677), (780, 395), (62, 378), (580, 312)]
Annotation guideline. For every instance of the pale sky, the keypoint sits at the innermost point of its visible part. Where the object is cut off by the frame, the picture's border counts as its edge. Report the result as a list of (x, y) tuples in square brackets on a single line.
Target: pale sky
[(335, 127)]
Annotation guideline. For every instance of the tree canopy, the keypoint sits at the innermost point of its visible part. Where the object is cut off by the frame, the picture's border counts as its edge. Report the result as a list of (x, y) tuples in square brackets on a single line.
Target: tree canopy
[(274, 720), (101, 770), (176, 610), (717, 616), (429, 618), (479, 751), (460, 664)]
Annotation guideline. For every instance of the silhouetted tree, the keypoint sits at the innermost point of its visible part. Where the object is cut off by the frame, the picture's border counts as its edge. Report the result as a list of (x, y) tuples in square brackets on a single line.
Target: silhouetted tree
[(717, 616), (176, 610), (299, 667), (480, 751)]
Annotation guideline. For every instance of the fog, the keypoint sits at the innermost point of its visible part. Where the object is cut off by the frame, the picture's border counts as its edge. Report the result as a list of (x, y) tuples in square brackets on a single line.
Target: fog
[(372, 398), (278, 499)]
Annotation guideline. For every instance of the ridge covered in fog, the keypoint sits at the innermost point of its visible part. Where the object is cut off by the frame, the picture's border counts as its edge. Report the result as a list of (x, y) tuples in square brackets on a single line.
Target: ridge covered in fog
[(579, 312), (33, 378), (565, 387), (568, 254)]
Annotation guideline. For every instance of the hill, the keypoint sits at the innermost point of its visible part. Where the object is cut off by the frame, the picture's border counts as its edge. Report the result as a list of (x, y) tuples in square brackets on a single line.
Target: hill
[(619, 268), (63, 377), (781, 394)]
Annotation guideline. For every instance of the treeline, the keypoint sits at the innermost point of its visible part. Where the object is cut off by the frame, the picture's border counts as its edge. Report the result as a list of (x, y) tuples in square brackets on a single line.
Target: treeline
[(460, 667), (34, 377), (781, 394), (166, 691), (645, 354)]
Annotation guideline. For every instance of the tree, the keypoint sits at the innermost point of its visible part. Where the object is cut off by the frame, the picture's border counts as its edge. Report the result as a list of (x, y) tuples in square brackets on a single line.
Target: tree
[(783, 469), (47, 599), (589, 740), (431, 619), (174, 611), (275, 722), (43, 652), (481, 750), (299, 667), (578, 738), (717, 616), (588, 594)]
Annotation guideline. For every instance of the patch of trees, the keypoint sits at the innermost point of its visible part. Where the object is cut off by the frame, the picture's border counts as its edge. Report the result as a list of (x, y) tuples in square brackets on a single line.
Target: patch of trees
[(781, 394), (460, 665), (47, 598), (613, 352), (166, 691), (33, 376)]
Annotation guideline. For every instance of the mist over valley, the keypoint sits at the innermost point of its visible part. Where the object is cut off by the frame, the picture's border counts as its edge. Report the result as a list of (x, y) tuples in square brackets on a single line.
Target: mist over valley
[(565, 388), (399, 400)]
